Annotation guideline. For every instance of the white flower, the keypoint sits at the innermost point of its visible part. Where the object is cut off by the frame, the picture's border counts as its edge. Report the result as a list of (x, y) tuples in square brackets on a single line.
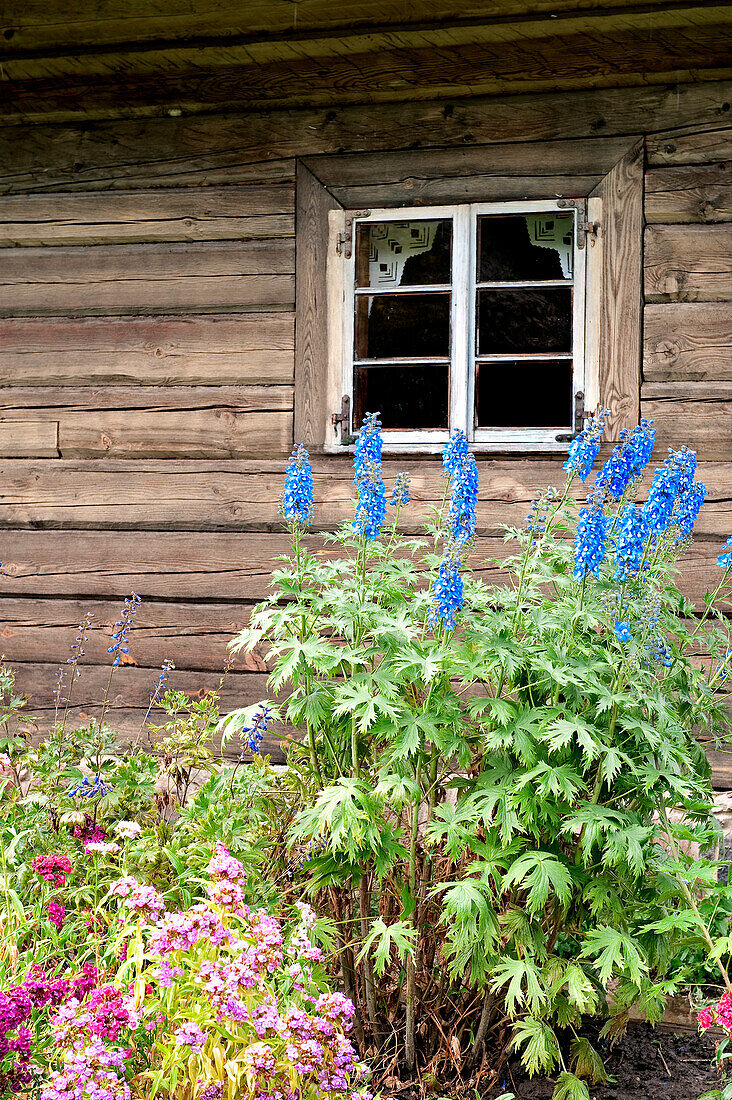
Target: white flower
[(101, 846), (128, 829)]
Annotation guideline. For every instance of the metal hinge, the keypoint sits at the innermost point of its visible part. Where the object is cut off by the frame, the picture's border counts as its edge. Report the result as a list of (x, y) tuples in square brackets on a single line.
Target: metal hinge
[(585, 230), (580, 415), (342, 420), (344, 240)]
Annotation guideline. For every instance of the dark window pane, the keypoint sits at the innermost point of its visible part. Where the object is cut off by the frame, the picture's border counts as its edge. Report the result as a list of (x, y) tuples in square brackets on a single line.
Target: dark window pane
[(524, 394), (406, 396), (514, 247), (413, 253), (402, 326), (525, 320)]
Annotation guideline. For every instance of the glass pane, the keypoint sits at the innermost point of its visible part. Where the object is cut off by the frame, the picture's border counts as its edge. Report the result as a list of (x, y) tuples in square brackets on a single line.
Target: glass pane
[(406, 396), (525, 320), (413, 253), (522, 393), (514, 247), (402, 326)]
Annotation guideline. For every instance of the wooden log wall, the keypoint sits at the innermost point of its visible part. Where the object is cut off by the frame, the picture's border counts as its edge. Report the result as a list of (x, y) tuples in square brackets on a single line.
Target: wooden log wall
[(147, 353)]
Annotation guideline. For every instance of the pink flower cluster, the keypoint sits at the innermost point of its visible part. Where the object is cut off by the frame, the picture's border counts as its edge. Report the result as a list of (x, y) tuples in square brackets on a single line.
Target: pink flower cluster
[(53, 869), (56, 914), (90, 1070), (237, 958), (143, 901), (719, 1014), (90, 832)]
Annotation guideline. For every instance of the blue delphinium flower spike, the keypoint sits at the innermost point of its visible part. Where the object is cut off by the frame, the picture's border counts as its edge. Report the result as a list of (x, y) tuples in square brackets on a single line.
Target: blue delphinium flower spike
[(622, 630), (687, 509), (584, 448), (590, 539), (255, 732), (400, 493), (455, 451), (628, 460), (537, 517), (297, 500), (371, 502), (447, 592), (670, 482), (122, 627), (630, 543), (461, 521), (725, 558)]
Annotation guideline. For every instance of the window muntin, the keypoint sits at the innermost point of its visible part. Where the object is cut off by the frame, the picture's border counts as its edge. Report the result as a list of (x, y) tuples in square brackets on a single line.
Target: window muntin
[(470, 317)]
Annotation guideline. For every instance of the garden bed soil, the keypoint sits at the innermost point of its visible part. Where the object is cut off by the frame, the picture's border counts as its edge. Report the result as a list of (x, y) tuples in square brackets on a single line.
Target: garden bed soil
[(648, 1064)]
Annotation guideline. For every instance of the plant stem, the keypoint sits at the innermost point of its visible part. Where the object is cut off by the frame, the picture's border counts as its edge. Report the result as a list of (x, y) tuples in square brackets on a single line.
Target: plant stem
[(364, 913)]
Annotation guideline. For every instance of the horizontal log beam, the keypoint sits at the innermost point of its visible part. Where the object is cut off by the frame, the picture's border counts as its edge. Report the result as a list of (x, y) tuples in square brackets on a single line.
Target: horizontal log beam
[(688, 263), (160, 151), (243, 495), (375, 68), (252, 212), (687, 341), (689, 193), (163, 351), (223, 276), (694, 146), (692, 414)]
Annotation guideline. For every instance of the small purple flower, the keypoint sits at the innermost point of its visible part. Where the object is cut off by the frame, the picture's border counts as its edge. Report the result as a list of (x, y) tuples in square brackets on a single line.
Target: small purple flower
[(190, 1035)]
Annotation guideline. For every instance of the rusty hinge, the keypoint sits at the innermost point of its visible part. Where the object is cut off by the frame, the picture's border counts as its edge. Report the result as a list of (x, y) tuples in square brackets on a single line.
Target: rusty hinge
[(580, 415), (344, 240), (585, 230), (342, 420)]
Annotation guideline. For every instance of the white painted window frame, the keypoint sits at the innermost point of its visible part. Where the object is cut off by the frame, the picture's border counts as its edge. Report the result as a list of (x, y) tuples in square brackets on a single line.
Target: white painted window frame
[(463, 352)]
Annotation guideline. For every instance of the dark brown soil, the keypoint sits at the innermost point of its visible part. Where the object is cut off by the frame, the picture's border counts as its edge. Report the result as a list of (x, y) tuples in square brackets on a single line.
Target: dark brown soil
[(648, 1064)]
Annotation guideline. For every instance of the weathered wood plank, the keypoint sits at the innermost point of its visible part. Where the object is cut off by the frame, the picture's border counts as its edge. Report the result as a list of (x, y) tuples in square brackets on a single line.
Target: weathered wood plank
[(223, 276), (165, 351), (478, 174), (312, 412), (185, 214), (35, 25), (194, 634), (212, 566), (692, 414), (688, 341), (243, 495), (688, 263), (620, 290), (694, 147), (31, 438), (478, 58), (689, 193), (151, 152), (150, 421)]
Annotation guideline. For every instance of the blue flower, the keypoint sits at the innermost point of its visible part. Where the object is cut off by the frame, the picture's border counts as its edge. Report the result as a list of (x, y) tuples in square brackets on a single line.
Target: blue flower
[(725, 558), (670, 481), (659, 652), (461, 516), (722, 671), (371, 502), (584, 448), (455, 451), (622, 630), (400, 493), (630, 543), (258, 727), (297, 500), (88, 789), (687, 509), (628, 460), (589, 540), (447, 592), (122, 627)]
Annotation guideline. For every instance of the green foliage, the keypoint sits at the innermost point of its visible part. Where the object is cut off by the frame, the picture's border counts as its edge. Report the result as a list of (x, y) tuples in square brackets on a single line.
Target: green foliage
[(504, 814)]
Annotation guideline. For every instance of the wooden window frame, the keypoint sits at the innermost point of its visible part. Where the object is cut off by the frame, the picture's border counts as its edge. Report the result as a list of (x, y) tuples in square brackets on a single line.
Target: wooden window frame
[(463, 286), (613, 334)]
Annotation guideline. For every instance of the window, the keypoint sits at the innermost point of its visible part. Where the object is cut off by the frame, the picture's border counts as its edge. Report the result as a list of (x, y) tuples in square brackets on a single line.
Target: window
[(469, 316)]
